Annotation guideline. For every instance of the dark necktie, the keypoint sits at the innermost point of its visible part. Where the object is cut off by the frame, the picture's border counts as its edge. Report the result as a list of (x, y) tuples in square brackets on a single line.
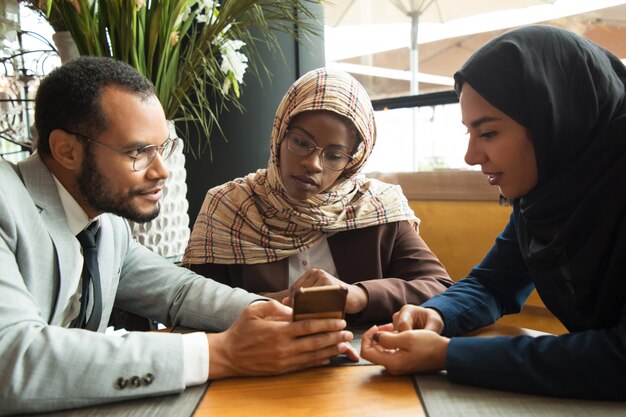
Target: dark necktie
[(91, 275)]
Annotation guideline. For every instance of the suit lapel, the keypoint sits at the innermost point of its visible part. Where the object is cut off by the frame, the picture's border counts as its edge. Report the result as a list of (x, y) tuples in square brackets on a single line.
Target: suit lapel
[(106, 263), (42, 188)]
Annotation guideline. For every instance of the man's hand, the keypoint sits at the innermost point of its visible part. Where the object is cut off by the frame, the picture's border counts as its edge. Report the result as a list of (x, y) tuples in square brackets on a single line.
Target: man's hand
[(278, 295), (356, 300), (404, 352), (264, 341)]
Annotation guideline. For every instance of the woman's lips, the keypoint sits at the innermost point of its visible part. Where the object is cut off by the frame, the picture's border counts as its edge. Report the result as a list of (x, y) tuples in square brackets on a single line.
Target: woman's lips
[(306, 182), (493, 177)]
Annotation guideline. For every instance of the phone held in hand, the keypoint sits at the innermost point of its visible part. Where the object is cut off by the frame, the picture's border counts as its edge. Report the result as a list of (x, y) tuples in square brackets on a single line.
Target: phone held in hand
[(325, 302)]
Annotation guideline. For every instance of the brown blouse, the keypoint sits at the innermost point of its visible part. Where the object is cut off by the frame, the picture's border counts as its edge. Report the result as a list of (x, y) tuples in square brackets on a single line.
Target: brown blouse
[(391, 262)]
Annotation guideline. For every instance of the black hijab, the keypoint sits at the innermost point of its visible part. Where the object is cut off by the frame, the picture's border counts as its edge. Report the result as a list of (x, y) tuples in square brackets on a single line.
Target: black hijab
[(570, 94)]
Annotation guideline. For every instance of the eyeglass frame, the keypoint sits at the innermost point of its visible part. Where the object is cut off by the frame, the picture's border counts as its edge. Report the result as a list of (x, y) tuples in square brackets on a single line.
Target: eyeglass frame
[(315, 148), (159, 149)]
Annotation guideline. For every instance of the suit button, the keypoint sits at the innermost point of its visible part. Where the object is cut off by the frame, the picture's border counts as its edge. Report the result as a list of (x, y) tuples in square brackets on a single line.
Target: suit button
[(121, 383), (148, 378), (135, 381)]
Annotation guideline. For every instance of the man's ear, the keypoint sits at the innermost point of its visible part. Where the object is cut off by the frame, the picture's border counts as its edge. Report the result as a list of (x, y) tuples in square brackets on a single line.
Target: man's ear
[(66, 149)]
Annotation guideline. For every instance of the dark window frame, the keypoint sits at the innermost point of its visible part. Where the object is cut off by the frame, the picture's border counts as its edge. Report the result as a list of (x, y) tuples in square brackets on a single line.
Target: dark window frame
[(439, 185)]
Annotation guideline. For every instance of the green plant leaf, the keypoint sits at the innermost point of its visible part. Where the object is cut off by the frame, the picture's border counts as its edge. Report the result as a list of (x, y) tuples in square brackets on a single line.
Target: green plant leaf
[(167, 41)]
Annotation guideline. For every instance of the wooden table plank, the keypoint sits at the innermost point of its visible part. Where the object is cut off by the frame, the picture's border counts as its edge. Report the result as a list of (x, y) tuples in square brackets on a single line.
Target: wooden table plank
[(328, 391)]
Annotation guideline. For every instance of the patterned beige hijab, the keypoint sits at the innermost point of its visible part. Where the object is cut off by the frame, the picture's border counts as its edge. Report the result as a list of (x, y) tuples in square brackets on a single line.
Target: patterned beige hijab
[(252, 220)]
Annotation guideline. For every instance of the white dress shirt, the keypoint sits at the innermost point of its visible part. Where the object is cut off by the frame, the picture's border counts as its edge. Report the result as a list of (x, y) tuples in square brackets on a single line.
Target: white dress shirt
[(195, 345), (317, 256)]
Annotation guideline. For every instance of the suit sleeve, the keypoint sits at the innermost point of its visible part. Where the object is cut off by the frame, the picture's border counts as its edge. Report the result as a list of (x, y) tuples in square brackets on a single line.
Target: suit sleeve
[(152, 286), (48, 367), (412, 274), (588, 364)]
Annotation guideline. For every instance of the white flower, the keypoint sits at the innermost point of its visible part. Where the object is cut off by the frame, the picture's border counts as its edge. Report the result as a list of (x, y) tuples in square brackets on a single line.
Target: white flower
[(202, 18), (139, 4), (207, 5), (183, 17), (232, 45), (206, 18), (233, 60), (207, 11)]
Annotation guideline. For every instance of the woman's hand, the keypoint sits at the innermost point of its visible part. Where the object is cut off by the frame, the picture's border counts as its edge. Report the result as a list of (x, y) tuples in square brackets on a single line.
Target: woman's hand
[(404, 352), (357, 298), (411, 317)]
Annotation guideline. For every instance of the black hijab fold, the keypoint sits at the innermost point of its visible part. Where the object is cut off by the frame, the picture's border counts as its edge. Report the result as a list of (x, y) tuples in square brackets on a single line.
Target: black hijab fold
[(570, 94)]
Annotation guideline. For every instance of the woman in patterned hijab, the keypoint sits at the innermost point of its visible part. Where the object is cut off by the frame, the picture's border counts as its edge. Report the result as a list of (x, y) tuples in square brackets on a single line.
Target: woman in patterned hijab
[(304, 219)]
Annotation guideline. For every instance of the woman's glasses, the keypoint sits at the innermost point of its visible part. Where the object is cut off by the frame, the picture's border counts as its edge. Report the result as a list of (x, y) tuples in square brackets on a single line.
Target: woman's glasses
[(142, 157), (302, 146)]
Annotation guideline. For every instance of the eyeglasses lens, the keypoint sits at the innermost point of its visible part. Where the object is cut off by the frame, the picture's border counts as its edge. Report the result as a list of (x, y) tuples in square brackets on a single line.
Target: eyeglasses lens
[(302, 146)]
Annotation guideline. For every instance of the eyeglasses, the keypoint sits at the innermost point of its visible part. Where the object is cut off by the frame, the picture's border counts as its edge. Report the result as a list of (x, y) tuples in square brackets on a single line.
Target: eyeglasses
[(143, 156), (302, 146)]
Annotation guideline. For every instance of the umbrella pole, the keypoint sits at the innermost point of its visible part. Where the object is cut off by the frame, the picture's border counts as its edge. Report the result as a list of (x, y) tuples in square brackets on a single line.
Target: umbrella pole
[(414, 54), (414, 87)]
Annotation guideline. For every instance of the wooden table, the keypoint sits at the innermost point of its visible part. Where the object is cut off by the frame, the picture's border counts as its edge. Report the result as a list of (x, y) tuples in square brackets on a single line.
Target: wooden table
[(332, 391), (351, 390), (335, 391)]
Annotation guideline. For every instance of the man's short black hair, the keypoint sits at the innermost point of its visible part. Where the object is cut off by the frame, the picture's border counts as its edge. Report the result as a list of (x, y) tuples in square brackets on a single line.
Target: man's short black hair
[(69, 97)]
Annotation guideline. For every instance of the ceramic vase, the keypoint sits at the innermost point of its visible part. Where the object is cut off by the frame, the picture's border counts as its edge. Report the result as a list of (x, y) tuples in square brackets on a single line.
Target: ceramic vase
[(168, 234)]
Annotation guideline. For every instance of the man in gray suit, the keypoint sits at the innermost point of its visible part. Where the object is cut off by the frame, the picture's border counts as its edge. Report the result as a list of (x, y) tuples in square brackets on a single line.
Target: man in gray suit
[(103, 139)]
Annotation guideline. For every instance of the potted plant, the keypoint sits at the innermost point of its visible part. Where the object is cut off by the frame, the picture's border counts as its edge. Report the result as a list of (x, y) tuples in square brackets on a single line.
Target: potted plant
[(195, 52)]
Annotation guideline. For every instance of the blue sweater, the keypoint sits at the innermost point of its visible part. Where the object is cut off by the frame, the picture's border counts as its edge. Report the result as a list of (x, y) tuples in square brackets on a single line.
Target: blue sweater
[(585, 364)]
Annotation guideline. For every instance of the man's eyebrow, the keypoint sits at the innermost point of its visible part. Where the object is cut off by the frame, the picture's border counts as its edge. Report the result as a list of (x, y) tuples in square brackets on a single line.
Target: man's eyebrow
[(136, 145), (482, 120), (140, 144)]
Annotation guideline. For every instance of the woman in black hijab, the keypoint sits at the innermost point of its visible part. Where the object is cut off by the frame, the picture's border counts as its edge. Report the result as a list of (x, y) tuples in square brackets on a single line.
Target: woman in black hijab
[(546, 115)]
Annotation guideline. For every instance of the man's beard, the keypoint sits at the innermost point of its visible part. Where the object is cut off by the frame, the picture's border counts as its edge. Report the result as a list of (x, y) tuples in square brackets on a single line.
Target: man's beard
[(102, 196)]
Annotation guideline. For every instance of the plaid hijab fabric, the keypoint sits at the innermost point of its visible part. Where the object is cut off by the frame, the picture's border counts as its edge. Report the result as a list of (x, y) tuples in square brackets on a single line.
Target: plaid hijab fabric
[(252, 220)]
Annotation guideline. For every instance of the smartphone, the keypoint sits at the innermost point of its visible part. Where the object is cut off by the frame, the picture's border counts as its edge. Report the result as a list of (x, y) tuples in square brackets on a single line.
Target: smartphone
[(326, 302)]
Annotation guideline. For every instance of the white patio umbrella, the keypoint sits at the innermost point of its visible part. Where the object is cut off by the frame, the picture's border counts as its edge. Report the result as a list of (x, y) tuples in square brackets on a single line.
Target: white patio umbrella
[(447, 31), (444, 18)]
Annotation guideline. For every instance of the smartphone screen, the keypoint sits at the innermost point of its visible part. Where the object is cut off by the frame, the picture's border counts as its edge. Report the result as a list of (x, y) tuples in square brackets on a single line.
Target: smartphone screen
[(319, 302)]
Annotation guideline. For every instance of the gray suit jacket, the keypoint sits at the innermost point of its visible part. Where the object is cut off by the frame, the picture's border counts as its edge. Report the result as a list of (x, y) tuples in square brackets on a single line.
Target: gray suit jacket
[(47, 367)]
